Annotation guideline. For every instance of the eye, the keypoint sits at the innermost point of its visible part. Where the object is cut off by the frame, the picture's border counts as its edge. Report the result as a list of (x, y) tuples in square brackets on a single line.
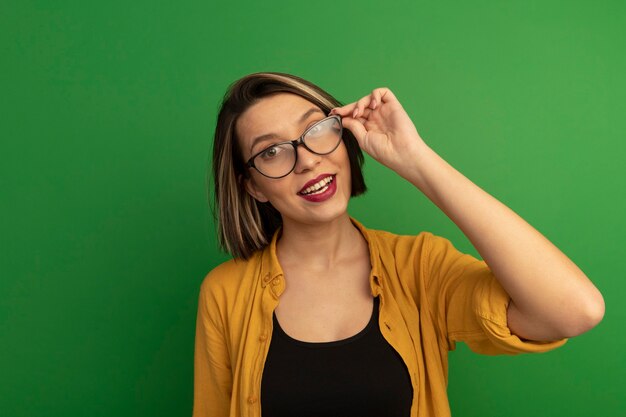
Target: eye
[(270, 152)]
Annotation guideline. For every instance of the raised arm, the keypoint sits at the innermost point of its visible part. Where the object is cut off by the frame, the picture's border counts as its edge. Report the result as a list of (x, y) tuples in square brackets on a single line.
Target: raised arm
[(551, 298)]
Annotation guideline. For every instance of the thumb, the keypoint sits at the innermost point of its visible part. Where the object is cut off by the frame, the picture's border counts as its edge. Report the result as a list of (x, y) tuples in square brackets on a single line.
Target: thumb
[(356, 127)]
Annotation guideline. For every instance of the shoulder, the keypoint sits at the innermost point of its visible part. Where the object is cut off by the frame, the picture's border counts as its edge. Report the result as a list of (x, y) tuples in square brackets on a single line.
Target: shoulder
[(401, 259), (228, 277), (394, 243)]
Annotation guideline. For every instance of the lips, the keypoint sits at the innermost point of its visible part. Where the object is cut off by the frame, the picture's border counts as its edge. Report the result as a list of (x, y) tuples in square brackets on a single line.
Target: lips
[(319, 189), (314, 181)]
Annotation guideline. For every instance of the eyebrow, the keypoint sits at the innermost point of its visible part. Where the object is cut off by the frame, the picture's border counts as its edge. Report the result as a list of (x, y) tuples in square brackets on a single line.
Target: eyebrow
[(275, 135)]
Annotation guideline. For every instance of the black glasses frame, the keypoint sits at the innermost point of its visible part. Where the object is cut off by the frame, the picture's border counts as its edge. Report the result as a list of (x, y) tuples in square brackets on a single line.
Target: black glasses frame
[(297, 142)]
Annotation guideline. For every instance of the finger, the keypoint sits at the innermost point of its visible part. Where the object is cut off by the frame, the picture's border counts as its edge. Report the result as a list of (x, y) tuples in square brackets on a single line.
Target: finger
[(344, 110), (356, 127), (385, 95), (353, 109), (365, 113), (372, 101), (361, 105), (380, 95), (349, 111), (376, 93)]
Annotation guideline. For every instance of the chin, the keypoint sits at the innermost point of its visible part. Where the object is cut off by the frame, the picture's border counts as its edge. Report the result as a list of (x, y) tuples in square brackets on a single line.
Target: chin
[(330, 212), (319, 214)]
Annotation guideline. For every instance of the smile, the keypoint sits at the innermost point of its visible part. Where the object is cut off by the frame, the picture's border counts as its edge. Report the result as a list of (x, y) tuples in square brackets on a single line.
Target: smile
[(319, 187)]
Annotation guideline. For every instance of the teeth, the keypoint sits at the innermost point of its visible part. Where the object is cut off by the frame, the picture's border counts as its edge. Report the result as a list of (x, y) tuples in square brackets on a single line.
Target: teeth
[(319, 191), (318, 187)]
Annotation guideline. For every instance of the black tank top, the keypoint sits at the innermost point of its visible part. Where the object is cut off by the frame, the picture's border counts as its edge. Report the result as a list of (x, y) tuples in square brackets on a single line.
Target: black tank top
[(362, 376)]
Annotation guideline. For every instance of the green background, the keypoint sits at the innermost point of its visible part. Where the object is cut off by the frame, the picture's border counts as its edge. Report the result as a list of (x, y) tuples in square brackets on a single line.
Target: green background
[(108, 111)]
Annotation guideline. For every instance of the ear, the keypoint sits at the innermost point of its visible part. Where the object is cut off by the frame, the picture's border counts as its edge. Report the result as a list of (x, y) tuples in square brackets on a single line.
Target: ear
[(253, 190)]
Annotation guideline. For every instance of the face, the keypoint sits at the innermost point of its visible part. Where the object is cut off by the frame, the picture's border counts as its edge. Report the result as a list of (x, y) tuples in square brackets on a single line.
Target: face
[(296, 196)]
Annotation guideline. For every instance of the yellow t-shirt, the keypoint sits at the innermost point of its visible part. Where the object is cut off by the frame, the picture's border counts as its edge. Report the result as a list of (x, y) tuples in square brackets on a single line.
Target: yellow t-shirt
[(431, 296)]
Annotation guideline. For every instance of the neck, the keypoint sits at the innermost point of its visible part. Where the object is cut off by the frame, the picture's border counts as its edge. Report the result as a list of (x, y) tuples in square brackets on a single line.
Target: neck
[(319, 246)]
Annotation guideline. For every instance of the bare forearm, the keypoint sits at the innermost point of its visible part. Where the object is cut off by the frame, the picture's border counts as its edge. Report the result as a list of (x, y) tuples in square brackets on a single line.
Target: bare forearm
[(551, 297)]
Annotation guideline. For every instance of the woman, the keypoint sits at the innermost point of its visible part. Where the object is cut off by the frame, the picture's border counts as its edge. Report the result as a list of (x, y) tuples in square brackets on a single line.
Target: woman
[(318, 315)]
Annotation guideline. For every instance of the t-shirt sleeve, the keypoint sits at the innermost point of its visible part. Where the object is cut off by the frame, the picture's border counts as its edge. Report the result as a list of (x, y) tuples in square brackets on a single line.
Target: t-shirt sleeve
[(469, 303), (212, 370)]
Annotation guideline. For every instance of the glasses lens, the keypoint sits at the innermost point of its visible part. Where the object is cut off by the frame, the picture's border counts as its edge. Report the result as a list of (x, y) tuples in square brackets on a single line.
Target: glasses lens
[(276, 161), (279, 160), (324, 137)]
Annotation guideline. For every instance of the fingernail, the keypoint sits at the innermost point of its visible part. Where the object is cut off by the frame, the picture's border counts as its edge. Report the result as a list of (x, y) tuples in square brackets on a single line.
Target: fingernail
[(355, 112), (373, 104)]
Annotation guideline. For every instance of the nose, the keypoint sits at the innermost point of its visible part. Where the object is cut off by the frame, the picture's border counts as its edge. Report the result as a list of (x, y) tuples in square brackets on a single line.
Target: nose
[(307, 160)]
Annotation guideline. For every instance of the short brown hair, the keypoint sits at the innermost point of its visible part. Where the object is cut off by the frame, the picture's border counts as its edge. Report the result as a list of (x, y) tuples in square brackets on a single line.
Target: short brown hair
[(244, 224)]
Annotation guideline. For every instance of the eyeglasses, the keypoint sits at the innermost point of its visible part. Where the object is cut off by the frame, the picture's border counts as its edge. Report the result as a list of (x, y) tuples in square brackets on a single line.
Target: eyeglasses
[(279, 159)]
